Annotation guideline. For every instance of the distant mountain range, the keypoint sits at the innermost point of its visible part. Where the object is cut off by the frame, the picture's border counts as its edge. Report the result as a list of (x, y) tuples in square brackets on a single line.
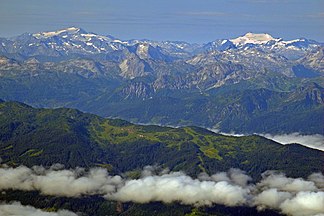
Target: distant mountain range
[(80, 42), (253, 83)]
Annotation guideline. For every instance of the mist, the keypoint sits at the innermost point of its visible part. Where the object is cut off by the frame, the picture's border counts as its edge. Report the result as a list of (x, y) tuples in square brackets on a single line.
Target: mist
[(16, 208), (68, 183), (315, 141), (295, 196), (178, 187)]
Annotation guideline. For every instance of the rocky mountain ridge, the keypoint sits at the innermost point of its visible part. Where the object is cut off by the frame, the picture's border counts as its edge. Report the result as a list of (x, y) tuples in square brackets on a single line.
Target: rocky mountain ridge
[(218, 85), (75, 40)]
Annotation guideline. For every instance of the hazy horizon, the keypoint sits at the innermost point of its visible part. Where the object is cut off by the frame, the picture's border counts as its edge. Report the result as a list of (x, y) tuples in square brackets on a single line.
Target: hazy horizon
[(192, 21)]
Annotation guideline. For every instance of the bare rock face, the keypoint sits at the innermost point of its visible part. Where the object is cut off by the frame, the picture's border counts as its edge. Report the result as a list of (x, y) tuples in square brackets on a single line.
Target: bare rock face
[(254, 77), (313, 94), (7, 64), (133, 67), (137, 90), (315, 60)]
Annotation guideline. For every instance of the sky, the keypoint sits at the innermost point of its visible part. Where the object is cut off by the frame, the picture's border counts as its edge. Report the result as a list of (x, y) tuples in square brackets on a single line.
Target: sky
[(198, 21)]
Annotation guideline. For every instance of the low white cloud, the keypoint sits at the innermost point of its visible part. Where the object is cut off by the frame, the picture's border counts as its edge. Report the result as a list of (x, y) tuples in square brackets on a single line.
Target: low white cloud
[(271, 198), (179, 187), (293, 196), (304, 204), (315, 141), (298, 197), (318, 179), (16, 209), (232, 133), (69, 183), (283, 183)]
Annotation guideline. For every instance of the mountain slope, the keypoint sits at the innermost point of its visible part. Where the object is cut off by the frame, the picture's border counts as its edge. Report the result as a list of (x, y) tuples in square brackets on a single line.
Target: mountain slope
[(43, 137), (266, 104), (77, 41), (256, 78), (74, 139)]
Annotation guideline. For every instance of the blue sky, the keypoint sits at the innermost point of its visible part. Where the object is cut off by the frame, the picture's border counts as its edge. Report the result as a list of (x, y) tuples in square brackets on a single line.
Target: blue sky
[(188, 20)]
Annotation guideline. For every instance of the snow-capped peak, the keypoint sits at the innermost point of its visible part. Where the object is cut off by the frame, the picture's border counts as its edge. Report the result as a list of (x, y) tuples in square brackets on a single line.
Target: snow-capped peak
[(251, 38), (70, 30)]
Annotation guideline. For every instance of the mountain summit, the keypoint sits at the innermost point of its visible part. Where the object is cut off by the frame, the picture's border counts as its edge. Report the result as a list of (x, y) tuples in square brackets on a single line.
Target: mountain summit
[(66, 31), (263, 82), (78, 42), (251, 38)]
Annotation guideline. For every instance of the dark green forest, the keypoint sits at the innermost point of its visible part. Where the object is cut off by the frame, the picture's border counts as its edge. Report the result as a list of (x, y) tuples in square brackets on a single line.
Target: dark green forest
[(31, 136)]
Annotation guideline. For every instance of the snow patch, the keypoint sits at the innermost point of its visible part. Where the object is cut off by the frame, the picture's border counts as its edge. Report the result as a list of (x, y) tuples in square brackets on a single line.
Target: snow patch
[(70, 30), (88, 35), (251, 38), (119, 41), (224, 41)]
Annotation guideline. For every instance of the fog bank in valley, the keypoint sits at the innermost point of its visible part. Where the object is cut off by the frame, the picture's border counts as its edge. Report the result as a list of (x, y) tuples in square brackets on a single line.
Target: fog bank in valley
[(295, 196), (15, 209)]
